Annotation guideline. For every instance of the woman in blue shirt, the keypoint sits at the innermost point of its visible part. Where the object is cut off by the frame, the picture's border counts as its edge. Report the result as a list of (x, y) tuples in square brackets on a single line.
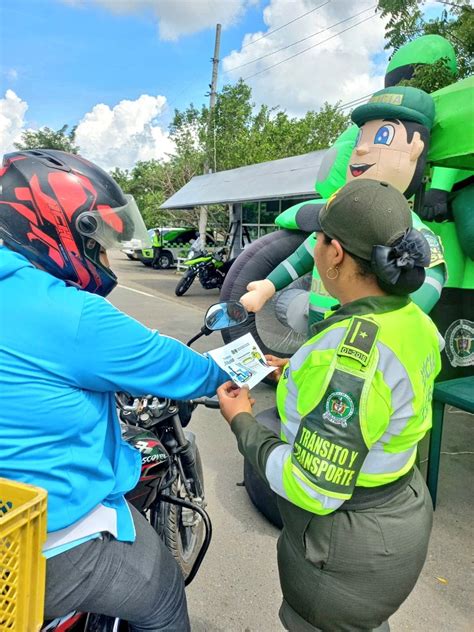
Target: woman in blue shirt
[(63, 353)]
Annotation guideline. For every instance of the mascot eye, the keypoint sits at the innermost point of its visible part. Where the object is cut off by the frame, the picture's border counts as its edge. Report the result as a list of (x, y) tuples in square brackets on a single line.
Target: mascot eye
[(359, 136), (384, 135)]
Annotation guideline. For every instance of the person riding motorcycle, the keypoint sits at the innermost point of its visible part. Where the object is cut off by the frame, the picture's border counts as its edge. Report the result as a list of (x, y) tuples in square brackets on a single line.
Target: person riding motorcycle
[(64, 351), (353, 403)]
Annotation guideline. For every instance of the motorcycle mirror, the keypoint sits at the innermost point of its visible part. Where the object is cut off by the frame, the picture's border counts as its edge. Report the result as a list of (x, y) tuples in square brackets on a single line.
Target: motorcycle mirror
[(225, 315)]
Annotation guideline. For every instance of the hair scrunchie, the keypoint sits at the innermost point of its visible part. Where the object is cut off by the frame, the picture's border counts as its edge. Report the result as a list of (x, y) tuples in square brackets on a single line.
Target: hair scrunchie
[(401, 265)]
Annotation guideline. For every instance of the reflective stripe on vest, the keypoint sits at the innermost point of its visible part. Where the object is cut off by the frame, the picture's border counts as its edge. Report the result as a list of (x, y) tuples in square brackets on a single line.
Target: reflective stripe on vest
[(274, 472), (402, 419), (291, 417)]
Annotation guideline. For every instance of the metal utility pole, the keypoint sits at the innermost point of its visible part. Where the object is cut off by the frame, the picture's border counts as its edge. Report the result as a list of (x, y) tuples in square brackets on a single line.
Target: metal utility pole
[(215, 68), (212, 102)]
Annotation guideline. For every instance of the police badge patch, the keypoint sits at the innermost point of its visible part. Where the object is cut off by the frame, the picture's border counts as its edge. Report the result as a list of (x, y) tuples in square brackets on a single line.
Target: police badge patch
[(339, 408), (459, 338)]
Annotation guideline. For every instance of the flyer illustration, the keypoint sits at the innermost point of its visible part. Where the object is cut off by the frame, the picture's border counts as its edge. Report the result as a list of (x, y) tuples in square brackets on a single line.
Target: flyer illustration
[(243, 360)]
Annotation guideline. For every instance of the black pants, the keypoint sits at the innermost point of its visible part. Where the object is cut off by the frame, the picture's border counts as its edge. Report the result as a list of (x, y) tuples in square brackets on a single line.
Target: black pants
[(140, 583), (349, 571), (156, 256)]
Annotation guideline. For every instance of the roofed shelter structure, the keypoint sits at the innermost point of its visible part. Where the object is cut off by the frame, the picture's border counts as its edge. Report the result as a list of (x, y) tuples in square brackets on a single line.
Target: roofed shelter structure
[(256, 194)]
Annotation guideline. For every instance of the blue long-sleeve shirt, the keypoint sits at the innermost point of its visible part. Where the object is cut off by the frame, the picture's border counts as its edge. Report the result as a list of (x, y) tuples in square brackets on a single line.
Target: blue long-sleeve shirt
[(63, 354)]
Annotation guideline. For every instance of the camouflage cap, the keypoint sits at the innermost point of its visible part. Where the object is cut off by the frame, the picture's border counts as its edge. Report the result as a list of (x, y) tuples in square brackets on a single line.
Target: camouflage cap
[(361, 215)]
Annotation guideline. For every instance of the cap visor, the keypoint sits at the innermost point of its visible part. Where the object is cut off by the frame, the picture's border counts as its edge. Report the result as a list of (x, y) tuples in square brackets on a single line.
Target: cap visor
[(307, 217)]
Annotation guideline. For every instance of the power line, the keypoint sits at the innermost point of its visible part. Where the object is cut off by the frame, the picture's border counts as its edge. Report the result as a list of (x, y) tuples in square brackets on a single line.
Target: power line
[(354, 102), (286, 24), (301, 40), (309, 48)]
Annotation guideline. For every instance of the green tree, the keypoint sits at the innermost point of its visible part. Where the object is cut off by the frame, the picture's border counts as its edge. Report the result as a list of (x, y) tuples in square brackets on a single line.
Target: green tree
[(282, 136), (151, 182), (238, 134), (229, 141), (456, 24), (46, 138), (145, 183)]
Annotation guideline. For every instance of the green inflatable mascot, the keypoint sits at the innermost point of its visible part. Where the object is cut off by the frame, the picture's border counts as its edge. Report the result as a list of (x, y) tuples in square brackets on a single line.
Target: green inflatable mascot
[(392, 145)]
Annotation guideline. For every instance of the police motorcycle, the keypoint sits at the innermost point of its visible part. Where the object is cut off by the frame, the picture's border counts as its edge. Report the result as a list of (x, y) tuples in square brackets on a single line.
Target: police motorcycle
[(210, 268), (170, 491)]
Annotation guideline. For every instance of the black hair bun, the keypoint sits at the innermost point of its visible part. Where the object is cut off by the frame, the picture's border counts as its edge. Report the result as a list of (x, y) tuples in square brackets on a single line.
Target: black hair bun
[(400, 267)]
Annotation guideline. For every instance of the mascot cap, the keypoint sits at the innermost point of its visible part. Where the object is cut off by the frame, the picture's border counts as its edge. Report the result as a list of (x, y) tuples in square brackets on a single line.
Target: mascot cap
[(403, 103)]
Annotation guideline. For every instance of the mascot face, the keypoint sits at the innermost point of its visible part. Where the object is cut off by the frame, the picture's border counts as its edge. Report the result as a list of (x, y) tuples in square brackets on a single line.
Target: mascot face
[(383, 152)]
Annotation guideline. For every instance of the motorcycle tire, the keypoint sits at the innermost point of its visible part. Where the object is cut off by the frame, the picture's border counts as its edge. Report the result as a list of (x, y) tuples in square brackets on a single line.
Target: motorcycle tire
[(165, 260), (185, 283), (256, 262), (262, 497), (183, 542)]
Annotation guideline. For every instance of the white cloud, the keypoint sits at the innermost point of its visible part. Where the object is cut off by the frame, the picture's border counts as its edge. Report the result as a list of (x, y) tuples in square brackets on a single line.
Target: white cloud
[(111, 137), (179, 17), (12, 120), (124, 134), (339, 69)]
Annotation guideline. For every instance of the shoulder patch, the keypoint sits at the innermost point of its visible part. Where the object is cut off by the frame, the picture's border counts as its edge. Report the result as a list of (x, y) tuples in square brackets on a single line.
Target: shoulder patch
[(436, 247), (359, 340)]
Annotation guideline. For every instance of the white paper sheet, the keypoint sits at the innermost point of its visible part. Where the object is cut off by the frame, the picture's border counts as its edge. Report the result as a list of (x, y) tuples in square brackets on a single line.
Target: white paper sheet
[(243, 360)]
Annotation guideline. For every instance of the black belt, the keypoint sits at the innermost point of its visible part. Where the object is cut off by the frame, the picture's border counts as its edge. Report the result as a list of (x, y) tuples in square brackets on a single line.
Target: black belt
[(368, 497)]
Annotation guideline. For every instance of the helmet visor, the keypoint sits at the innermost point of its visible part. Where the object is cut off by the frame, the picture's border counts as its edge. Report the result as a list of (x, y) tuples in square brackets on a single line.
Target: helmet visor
[(113, 227)]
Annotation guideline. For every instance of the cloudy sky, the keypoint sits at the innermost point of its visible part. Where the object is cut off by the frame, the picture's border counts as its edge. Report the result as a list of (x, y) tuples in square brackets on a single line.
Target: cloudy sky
[(118, 68)]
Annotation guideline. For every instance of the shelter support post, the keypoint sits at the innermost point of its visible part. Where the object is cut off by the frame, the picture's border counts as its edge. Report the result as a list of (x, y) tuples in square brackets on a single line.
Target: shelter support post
[(235, 232)]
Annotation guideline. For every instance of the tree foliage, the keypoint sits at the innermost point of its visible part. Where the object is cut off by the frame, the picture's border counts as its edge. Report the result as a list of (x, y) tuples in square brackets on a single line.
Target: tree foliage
[(456, 24), (46, 138), (238, 134), (430, 77)]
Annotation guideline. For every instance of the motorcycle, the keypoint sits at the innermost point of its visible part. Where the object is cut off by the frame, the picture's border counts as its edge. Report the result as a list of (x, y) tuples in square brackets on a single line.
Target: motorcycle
[(170, 491), (209, 267)]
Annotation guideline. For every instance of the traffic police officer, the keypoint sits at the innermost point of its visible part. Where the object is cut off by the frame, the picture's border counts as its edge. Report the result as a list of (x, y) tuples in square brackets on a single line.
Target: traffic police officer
[(354, 402), (157, 247)]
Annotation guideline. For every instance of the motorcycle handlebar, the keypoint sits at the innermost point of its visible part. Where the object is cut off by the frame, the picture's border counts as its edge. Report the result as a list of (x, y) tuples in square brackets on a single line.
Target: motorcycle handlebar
[(208, 402)]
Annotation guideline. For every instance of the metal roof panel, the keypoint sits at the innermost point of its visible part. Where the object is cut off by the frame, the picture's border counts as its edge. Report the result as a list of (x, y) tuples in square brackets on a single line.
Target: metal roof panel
[(287, 177)]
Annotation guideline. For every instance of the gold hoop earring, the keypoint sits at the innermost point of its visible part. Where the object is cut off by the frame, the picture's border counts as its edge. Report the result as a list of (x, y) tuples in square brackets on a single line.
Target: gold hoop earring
[(332, 273)]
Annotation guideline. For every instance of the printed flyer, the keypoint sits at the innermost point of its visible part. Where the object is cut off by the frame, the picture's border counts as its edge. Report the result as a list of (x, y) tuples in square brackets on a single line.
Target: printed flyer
[(243, 360)]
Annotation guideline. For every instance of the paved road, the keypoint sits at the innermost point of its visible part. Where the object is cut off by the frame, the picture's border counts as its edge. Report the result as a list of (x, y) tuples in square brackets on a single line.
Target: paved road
[(237, 589), (162, 282)]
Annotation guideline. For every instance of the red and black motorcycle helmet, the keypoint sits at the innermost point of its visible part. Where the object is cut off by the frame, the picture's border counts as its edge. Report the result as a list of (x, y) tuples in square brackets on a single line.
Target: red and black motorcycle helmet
[(58, 210)]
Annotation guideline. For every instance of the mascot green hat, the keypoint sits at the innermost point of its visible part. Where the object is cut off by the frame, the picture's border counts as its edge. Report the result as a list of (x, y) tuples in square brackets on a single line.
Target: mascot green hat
[(403, 103), (425, 50)]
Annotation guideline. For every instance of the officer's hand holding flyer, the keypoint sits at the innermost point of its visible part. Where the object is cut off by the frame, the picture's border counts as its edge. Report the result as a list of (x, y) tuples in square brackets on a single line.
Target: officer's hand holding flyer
[(243, 360)]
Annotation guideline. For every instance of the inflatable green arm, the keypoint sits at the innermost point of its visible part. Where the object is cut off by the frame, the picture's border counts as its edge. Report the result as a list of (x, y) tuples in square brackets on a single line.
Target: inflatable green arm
[(331, 176), (297, 265), (429, 293)]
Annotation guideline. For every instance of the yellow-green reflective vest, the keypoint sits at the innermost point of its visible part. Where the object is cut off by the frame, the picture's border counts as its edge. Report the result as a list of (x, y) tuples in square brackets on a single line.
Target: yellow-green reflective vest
[(354, 401)]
